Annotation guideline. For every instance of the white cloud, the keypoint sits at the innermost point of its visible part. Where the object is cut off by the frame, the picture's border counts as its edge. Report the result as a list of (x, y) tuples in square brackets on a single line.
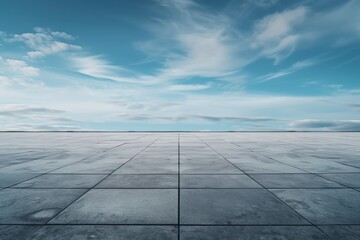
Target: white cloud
[(22, 67), (292, 69), (40, 127), (44, 42), (327, 125), (263, 3), (5, 81), (23, 109), (16, 72), (52, 48), (63, 35), (190, 41), (339, 23), (276, 34), (31, 113), (279, 25), (195, 43), (98, 67), (188, 87)]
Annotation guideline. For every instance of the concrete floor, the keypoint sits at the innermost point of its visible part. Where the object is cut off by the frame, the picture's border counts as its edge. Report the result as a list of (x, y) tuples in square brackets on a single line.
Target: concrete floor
[(180, 186)]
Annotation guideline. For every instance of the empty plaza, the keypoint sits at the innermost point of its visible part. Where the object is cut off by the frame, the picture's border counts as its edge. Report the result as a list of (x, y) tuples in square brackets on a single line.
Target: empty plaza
[(179, 185)]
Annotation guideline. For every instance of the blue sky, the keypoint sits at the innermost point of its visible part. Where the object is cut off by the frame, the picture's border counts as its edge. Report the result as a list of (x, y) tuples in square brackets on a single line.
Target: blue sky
[(179, 65)]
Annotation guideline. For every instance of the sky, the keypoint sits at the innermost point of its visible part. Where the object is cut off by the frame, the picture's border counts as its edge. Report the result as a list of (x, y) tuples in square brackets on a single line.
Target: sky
[(177, 65)]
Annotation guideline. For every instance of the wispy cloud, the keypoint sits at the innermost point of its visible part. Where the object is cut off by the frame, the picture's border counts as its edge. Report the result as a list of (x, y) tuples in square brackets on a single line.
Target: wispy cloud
[(276, 34), (195, 42), (98, 67), (206, 118), (338, 125), (30, 112), (40, 127), (22, 109), (44, 42), (188, 87), (14, 72), (198, 64), (294, 68)]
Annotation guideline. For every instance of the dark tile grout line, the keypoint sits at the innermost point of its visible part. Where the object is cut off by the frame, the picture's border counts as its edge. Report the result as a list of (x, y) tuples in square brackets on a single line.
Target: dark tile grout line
[(31, 160), (183, 188), (107, 175), (348, 165), (87, 189), (314, 156), (48, 146), (190, 174), (172, 224), (49, 172), (41, 151), (299, 169), (51, 155), (179, 186), (305, 171), (197, 225), (269, 191)]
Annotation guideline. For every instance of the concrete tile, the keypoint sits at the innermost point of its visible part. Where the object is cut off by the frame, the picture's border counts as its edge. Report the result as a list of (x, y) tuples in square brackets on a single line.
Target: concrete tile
[(294, 181), (251, 233), (139, 181), (324, 206), (122, 206), (37, 166), (217, 181), (8, 179), (207, 167), (234, 206), (110, 232), (255, 163), (347, 179), (18, 232), (34, 206), (149, 168), (98, 167), (312, 164), (349, 232), (62, 181)]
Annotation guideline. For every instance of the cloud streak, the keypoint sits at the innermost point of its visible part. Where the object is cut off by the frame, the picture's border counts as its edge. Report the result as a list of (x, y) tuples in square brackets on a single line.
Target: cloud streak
[(325, 125)]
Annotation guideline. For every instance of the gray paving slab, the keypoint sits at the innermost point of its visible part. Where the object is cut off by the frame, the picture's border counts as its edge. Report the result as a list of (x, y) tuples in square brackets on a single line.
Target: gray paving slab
[(324, 206), (62, 181), (110, 232), (347, 179), (251, 233), (137, 167), (217, 200), (217, 181), (18, 232), (263, 165), (122, 206), (235, 206), (294, 181), (9, 179), (313, 164), (34, 206), (140, 181), (350, 232), (204, 166), (98, 167)]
